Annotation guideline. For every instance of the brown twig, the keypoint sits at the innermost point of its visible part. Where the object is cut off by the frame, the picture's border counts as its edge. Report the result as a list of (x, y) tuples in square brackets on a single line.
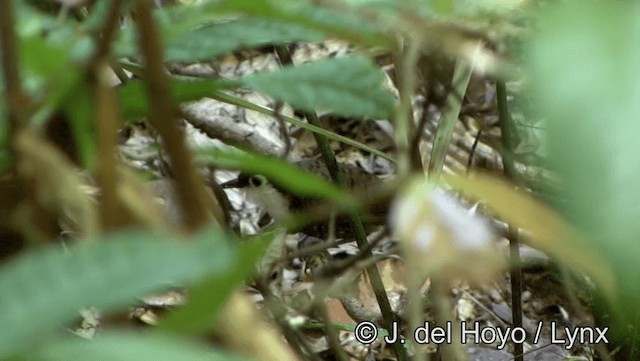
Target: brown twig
[(472, 152), (15, 99), (105, 36), (163, 113), (112, 213), (18, 106)]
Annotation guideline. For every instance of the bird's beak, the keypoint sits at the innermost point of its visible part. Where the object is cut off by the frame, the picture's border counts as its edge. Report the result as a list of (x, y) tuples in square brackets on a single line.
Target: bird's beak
[(234, 183)]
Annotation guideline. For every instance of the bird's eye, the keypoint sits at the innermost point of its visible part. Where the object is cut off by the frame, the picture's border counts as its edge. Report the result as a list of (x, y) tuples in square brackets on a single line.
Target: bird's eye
[(257, 180)]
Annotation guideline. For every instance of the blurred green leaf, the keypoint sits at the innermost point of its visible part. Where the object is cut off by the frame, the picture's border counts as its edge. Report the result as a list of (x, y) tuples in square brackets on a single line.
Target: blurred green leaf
[(344, 22), (41, 57), (174, 21), (350, 86), (583, 69), (117, 346), (30, 21), (443, 6), (216, 39), (47, 287)]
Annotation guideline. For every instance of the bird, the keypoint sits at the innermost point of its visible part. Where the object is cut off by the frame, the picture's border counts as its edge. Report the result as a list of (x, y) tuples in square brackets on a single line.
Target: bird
[(280, 203)]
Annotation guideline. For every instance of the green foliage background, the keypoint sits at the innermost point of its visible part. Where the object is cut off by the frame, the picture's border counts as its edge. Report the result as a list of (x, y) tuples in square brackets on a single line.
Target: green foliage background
[(580, 66)]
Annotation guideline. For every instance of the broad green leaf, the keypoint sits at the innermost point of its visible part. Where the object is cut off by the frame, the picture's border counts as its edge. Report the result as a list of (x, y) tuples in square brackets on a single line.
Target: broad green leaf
[(216, 39), (343, 22), (206, 299), (46, 287), (279, 172), (117, 346), (349, 86), (549, 232), (174, 21), (583, 69), (42, 57), (443, 6), (582, 62)]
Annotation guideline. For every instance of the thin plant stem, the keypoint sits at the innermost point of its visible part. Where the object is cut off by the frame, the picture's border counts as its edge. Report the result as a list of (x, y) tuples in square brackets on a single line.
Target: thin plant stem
[(508, 140), (461, 77)]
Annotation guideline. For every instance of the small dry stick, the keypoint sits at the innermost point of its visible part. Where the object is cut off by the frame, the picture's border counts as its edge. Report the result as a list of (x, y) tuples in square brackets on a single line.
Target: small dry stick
[(508, 140)]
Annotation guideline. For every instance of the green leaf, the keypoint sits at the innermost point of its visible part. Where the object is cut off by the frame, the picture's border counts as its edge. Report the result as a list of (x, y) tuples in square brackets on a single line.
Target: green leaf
[(45, 288), (217, 39), (349, 86), (279, 172), (583, 68), (344, 23), (206, 299), (443, 6), (117, 346)]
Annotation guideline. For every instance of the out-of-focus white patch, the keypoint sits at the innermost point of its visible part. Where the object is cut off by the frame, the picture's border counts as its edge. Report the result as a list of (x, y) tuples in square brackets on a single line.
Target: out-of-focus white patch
[(467, 230), (403, 212), (439, 235), (424, 237)]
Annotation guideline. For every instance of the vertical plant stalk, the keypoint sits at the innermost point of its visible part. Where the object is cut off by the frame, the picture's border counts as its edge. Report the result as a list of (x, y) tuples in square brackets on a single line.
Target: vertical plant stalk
[(441, 289), (508, 133), (407, 157), (113, 214), (403, 122), (15, 98), (105, 37), (415, 312), (41, 224), (446, 125), (163, 113), (508, 136), (355, 220)]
